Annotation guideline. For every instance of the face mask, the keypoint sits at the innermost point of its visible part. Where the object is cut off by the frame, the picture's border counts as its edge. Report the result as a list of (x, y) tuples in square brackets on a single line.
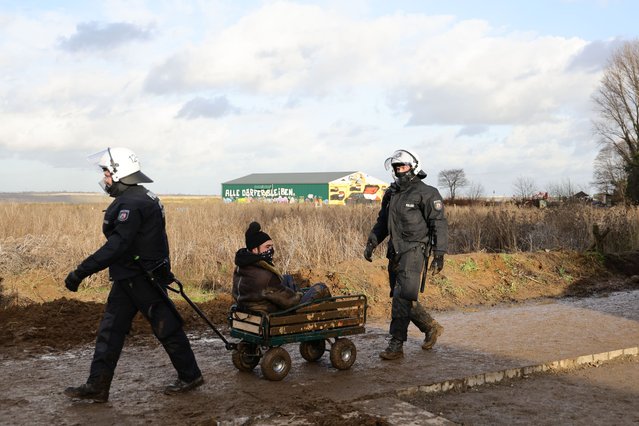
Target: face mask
[(400, 175), (268, 255), (404, 177), (115, 189)]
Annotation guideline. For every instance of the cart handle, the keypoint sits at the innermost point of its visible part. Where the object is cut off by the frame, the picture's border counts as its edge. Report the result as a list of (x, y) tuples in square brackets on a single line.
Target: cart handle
[(229, 346)]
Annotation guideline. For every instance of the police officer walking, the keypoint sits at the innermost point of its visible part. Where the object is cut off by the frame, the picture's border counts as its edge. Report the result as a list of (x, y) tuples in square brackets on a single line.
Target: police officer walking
[(412, 216), (137, 255)]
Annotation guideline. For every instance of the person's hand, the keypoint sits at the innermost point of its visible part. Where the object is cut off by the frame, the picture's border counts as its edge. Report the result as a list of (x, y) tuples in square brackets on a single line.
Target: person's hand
[(437, 264), (368, 251), (72, 281)]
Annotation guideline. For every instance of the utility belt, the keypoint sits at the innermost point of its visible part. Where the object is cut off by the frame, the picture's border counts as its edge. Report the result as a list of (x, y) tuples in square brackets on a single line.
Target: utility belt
[(159, 277)]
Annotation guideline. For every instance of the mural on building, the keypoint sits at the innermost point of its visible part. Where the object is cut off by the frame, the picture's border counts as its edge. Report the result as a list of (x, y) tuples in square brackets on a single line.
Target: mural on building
[(270, 193), (261, 191), (356, 188)]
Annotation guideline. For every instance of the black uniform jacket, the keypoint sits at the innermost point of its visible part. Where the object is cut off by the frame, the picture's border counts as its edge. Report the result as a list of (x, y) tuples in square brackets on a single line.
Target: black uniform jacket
[(258, 286), (407, 215), (134, 225)]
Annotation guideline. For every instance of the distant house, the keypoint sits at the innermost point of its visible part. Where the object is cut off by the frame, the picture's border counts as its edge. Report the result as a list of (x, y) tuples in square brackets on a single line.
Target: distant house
[(603, 198), (318, 187), (581, 196)]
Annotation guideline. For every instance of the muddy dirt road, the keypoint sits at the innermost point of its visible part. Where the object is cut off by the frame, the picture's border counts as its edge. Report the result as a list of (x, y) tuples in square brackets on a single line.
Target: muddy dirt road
[(473, 342), (605, 394)]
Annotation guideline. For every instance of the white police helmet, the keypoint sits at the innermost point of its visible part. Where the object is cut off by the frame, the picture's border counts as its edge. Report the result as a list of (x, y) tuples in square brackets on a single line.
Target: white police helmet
[(403, 157), (123, 165)]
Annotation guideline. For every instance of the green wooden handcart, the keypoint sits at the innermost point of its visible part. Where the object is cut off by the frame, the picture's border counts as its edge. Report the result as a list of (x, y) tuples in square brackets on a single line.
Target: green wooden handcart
[(313, 325)]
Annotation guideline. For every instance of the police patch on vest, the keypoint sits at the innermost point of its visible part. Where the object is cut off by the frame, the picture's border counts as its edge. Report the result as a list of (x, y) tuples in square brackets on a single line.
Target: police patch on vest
[(437, 204), (123, 215)]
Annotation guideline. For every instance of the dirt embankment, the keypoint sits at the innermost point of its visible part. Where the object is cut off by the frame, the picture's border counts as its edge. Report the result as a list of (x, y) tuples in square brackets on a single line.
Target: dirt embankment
[(39, 315)]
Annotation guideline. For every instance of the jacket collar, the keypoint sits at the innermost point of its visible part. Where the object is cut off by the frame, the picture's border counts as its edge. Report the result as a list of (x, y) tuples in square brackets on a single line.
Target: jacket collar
[(243, 257)]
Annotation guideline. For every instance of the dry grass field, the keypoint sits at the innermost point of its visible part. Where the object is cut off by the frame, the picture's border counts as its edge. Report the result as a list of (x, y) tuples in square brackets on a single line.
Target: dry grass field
[(43, 241), (205, 234)]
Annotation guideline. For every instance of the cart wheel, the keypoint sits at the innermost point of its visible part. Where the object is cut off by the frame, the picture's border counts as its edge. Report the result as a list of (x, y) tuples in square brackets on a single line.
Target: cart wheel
[(313, 350), (343, 354), (245, 357), (276, 363)]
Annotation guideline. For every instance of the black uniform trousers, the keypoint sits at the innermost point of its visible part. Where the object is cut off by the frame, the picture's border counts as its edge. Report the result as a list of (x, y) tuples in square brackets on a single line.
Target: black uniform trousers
[(406, 272), (126, 298)]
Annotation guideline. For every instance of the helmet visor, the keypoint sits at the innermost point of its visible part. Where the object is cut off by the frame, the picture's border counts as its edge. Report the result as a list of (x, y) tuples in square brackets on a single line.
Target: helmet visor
[(102, 160), (400, 157)]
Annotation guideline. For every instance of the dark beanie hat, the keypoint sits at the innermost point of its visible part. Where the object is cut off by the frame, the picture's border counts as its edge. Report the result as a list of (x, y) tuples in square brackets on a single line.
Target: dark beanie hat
[(255, 237)]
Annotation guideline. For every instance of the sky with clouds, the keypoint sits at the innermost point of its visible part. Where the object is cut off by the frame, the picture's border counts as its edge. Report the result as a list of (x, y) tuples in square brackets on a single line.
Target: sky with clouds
[(209, 91)]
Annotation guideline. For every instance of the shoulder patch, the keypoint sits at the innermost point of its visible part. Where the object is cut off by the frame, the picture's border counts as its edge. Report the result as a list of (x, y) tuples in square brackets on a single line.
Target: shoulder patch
[(438, 205), (123, 215)]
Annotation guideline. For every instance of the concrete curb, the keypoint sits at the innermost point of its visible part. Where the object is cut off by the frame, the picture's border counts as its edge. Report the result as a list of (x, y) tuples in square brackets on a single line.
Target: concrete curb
[(510, 373), (397, 412)]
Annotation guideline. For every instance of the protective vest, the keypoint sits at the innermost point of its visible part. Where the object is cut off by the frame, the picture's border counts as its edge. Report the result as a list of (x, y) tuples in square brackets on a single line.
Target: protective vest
[(408, 213), (135, 227)]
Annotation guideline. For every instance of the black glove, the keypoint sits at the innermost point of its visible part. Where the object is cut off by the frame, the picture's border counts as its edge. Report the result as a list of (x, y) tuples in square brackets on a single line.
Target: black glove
[(72, 281), (437, 264), (368, 251)]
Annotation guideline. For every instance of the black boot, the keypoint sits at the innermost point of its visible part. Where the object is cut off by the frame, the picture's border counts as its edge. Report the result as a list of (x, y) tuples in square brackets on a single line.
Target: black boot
[(180, 386), (394, 350), (93, 390)]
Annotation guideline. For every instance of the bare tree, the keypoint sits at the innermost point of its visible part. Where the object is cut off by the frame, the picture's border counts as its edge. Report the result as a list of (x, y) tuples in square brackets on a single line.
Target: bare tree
[(610, 175), (475, 191), (562, 190), (452, 179), (617, 101), (525, 188)]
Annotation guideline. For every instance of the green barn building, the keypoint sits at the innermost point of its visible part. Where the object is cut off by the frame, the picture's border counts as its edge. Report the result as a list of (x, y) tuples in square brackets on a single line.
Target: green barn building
[(325, 187)]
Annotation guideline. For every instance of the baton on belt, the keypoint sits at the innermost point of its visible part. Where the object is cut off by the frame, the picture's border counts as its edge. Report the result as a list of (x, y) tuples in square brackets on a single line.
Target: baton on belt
[(431, 243), (424, 269)]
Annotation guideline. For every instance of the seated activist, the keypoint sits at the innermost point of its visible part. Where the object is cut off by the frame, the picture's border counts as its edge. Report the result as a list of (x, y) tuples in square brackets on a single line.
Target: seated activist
[(258, 285)]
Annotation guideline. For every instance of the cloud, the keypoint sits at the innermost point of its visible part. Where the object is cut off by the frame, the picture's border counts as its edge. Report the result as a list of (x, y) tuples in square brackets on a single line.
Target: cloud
[(472, 130), (345, 130), (99, 36), (471, 76), (200, 107), (434, 69), (286, 47), (594, 56)]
